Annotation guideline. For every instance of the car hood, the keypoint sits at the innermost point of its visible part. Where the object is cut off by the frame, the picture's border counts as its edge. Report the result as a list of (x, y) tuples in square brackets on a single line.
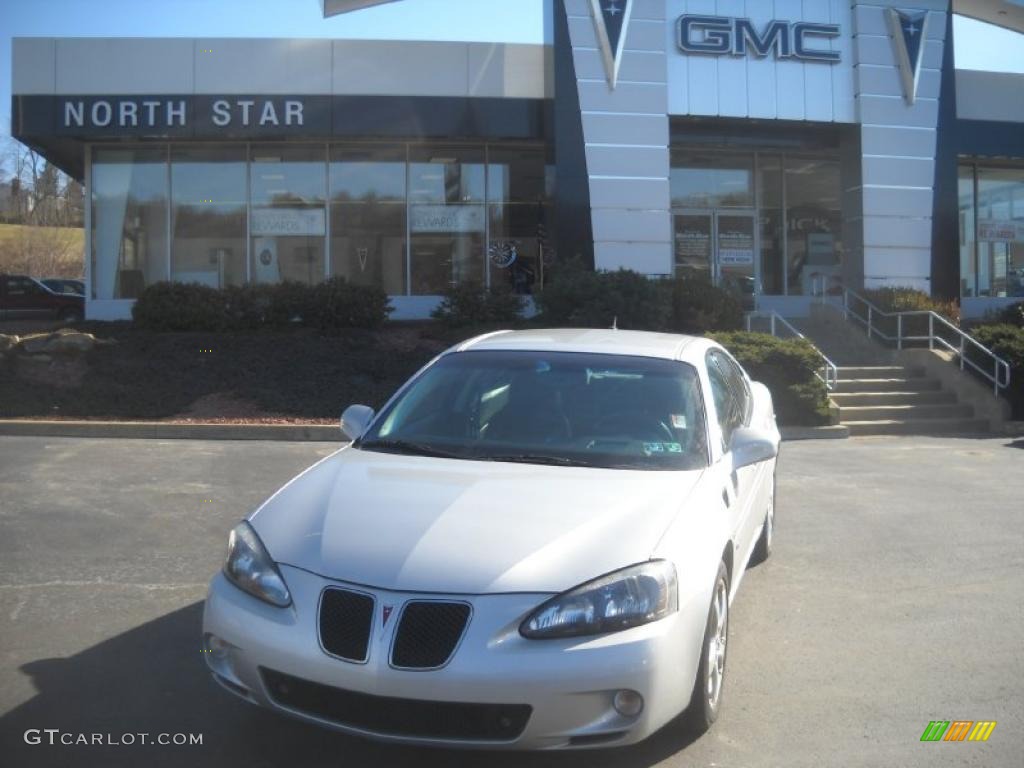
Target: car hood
[(413, 523)]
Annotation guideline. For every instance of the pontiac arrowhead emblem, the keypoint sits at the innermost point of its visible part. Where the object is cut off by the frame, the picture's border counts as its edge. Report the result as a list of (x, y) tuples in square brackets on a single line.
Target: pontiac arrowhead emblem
[(611, 17), (386, 615), (908, 35)]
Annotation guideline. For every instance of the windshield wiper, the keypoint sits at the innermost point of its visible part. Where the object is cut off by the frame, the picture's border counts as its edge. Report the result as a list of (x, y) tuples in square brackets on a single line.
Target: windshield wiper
[(537, 458), (409, 447)]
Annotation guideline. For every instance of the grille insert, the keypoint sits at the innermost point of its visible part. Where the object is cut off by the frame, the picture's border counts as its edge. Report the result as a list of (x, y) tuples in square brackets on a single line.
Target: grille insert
[(387, 716), (428, 633), (345, 621)]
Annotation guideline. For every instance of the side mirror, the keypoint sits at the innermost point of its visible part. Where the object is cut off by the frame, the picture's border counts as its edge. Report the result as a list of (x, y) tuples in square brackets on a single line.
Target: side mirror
[(750, 445), (355, 420)]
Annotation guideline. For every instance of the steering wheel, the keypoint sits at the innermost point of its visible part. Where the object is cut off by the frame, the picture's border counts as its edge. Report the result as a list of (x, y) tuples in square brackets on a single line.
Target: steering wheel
[(629, 423)]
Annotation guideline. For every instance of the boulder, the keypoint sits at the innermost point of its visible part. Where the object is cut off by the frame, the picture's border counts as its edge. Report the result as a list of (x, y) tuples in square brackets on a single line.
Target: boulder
[(7, 343), (60, 342)]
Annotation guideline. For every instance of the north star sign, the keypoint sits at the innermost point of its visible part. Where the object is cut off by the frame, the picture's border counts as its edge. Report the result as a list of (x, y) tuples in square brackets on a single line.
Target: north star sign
[(722, 35)]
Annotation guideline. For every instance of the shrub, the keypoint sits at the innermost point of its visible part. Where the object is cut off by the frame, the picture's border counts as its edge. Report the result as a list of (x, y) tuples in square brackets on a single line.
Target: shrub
[(1007, 341), (194, 307), (472, 304), (911, 300), (582, 298), (1012, 315), (169, 306), (337, 303), (699, 307), (787, 367)]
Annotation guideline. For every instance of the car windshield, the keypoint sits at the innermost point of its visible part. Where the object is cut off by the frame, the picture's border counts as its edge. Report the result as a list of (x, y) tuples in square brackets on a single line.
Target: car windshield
[(562, 408)]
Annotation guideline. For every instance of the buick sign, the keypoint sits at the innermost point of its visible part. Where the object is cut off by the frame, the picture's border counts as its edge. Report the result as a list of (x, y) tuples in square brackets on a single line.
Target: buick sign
[(721, 35)]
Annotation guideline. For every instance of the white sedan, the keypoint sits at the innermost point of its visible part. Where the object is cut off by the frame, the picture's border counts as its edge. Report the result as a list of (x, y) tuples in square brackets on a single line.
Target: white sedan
[(533, 545)]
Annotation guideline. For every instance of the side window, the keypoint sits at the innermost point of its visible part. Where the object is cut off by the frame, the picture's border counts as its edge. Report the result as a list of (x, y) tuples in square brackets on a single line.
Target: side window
[(728, 406), (21, 286), (737, 383)]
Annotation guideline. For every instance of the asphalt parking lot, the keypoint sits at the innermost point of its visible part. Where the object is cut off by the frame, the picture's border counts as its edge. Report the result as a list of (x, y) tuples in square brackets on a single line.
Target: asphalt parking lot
[(894, 597)]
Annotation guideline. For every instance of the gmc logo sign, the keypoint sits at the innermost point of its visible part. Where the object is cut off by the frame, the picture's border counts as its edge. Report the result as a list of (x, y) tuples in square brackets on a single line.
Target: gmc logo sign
[(720, 35)]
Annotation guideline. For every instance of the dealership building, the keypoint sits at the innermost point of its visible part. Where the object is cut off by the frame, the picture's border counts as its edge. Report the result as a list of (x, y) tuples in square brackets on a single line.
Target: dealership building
[(780, 148)]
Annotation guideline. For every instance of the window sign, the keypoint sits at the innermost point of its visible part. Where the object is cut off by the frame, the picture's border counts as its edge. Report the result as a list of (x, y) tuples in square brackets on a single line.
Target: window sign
[(446, 218), (288, 221)]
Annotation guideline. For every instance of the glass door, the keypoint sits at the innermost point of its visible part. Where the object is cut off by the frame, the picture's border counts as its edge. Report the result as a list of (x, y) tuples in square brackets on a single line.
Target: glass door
[(735, 246), (719, 246)]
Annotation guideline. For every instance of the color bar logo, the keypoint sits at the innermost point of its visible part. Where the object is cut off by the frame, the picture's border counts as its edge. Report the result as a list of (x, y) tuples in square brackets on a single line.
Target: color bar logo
[(958, 730)]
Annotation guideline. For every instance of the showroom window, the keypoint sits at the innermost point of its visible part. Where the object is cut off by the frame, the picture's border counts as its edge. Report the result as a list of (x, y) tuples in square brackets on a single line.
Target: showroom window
[(129, 221), (814, 221), (288, 218), (517, 216), (991, 230), (368, 227), (208, 210), (447, 217)]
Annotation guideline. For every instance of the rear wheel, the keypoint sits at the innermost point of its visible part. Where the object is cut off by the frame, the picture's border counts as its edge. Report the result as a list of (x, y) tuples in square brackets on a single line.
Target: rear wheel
[(71, 316), (706, 699)]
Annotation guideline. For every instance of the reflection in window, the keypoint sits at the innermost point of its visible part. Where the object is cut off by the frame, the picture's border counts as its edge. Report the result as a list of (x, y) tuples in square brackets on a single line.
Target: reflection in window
[(447, 218), (516, 181), (814, 223), (701, 179), (968, 249), (368, 239), (208, 215), (773, 241), (288, 220), (1000, 231), (129, 221)]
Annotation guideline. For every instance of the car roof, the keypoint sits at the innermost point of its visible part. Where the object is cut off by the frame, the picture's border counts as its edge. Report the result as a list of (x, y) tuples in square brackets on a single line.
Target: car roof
[(667, 346)]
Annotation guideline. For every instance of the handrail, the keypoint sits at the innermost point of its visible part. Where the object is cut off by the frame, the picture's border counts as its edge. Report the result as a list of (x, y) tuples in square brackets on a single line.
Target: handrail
[(830, 369), (1000, 375)]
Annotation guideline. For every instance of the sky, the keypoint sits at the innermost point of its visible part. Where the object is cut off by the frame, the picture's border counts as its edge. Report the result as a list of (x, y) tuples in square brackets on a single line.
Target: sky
[(978, 45)]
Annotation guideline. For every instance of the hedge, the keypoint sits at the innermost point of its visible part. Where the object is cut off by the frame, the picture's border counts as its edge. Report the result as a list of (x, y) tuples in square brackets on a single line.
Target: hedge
[(473, 304), (1007, 341), (787, 367), (578, 297), (329, 305)]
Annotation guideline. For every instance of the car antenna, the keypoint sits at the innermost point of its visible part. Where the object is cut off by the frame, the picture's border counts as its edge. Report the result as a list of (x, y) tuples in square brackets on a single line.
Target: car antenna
[(615, 323)]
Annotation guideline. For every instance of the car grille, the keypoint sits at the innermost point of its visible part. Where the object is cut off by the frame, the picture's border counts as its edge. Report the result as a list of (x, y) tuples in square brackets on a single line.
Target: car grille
[(427, 633), (345, 621), (387, 716)]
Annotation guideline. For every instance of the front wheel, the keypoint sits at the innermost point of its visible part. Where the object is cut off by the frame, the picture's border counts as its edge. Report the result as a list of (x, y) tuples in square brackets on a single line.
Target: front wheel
[(707, 689)]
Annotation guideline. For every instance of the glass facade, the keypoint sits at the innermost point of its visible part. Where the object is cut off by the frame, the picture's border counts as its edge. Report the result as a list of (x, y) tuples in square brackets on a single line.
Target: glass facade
[(412, 218), (991, 230), (129, 221), (749, 218)]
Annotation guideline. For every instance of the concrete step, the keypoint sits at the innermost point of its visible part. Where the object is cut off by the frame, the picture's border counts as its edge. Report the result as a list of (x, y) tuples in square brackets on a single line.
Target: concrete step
[(917, 426), (904, 412), (887, 385), (880, 372), (931, 397)]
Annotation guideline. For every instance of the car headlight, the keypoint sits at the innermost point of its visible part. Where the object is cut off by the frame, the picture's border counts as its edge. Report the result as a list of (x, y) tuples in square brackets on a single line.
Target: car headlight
[(628, 598), (249, 567)]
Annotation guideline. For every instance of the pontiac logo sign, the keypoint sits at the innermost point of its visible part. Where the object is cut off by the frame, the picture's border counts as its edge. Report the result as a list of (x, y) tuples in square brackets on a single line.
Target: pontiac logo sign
[(611, 18), (907, 29), (721, 35)]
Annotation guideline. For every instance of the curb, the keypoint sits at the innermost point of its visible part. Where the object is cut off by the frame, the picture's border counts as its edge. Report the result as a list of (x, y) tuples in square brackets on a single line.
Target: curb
[(834, 432), (165, 431), (158, 430)]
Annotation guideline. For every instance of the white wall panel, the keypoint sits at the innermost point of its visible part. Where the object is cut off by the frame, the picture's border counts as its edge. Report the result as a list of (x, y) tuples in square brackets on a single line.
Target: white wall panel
[(632, 225), (125, 65), (229, 65), (35, 70), (614, 128), (617, 192), (732, 70), (761, 81), (649, 258)]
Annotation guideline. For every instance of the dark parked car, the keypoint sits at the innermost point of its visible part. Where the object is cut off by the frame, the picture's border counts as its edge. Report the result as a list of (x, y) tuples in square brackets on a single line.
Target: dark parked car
[(25, 298), (64, 285)]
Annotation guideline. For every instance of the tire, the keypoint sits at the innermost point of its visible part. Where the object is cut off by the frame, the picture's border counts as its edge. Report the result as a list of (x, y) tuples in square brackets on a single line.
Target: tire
[(71, 316), (763, 548), (706, 699)]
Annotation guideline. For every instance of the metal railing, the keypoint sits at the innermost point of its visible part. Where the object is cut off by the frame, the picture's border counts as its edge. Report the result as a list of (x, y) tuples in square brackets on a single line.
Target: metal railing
[(962, 344), (829, 373)]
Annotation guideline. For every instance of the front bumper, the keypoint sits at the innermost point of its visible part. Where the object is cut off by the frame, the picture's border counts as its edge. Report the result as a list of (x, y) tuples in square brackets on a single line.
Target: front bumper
[(567, 684)]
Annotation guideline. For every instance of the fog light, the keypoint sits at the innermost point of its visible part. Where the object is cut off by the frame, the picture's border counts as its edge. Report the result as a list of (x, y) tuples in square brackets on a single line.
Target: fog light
[(628, 703), (217, 648)]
